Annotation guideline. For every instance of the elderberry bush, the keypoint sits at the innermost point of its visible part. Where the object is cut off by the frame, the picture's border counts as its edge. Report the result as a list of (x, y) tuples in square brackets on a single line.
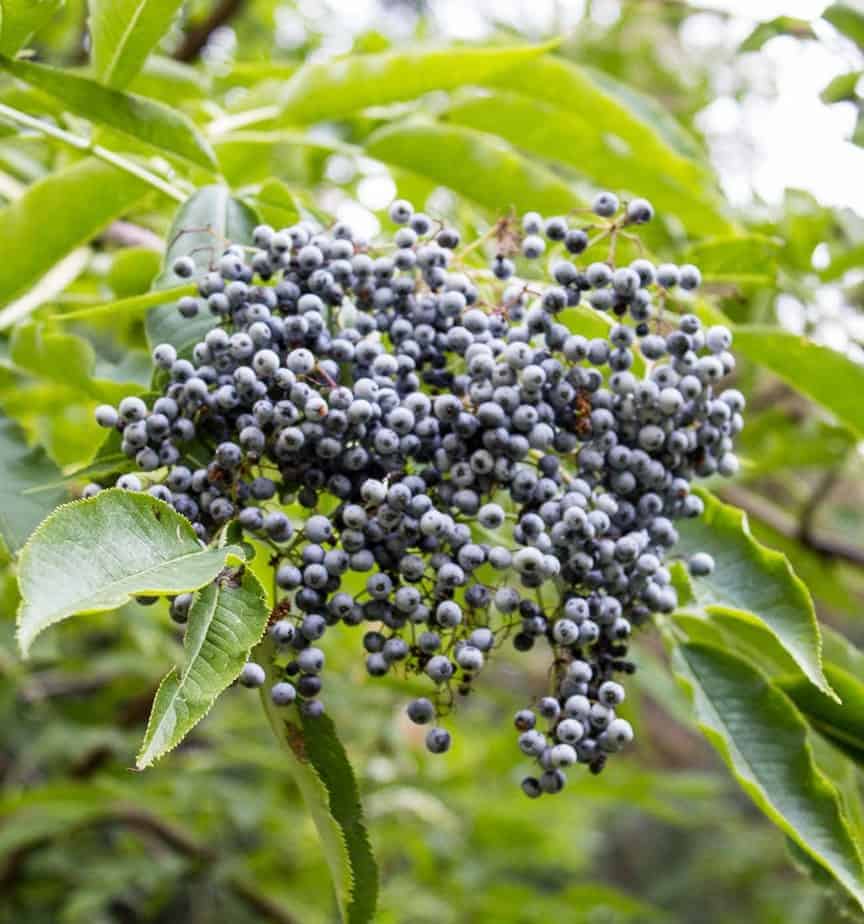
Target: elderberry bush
[(475, 472)]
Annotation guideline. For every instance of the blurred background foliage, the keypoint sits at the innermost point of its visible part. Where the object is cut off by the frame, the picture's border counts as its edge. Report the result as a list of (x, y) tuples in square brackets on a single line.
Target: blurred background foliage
[(217, 833)]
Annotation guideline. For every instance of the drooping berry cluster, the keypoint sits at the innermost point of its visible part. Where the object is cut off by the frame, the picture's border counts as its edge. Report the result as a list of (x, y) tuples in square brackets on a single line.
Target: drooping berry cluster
[(476, 468)]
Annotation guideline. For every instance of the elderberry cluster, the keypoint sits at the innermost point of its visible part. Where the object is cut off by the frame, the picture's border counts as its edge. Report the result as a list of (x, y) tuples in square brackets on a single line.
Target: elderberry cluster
[(476, 468)]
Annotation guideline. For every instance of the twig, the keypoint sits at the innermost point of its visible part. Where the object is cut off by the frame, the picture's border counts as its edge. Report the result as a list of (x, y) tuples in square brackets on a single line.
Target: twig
[(787, 526), (49, 685), (810, 510), (127, 234), (197, 36)]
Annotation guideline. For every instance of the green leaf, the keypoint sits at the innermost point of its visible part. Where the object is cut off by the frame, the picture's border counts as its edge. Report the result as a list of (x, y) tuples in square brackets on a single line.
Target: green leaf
[(731, 258), (756, 580), (828, 377), (170, 81), (91, 195), (22, 19), (572, 90), (325, 90), (848, 20), (129, 307), (842, 723), (109, 461), (226, 619), (478, 166), (29, 489), (653, 113), (66, 359), (554, 134), (774, 440), (202, 228), (124, 32), (591, 323), (842, 88), (781, 25), (133, 270), (93, 555), (764, 741), (144, 119), (277, 204), (321, 769)]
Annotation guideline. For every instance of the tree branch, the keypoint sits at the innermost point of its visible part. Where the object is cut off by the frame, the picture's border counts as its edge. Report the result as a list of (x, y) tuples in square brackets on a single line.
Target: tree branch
[(820, 494), (197, 35), (127, 234), (788, 526)]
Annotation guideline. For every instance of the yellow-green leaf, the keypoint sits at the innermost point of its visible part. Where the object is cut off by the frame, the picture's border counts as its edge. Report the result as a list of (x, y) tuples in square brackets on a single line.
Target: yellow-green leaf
[(478, 166), (144, 119), (325, 90), (124, 32), (823, 374)]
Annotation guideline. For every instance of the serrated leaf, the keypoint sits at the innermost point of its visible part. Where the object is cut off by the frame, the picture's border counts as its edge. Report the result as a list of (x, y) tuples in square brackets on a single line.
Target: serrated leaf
[(320, 767), (91, 193), (478, 166), (22, 19), (93, 555), (756, 580), (140, 118), (324, 90), (29, 487), (226, 619), (825, 375), (566, 137), (764, 742), (124, 32), (202, 228)]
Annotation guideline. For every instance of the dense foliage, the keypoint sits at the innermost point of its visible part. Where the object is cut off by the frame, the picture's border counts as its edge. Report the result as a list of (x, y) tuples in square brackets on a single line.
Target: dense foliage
[(470, 440)]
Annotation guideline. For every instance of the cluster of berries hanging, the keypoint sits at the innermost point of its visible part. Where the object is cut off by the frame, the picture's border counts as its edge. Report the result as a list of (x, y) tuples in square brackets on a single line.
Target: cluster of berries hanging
[(476, 469)]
